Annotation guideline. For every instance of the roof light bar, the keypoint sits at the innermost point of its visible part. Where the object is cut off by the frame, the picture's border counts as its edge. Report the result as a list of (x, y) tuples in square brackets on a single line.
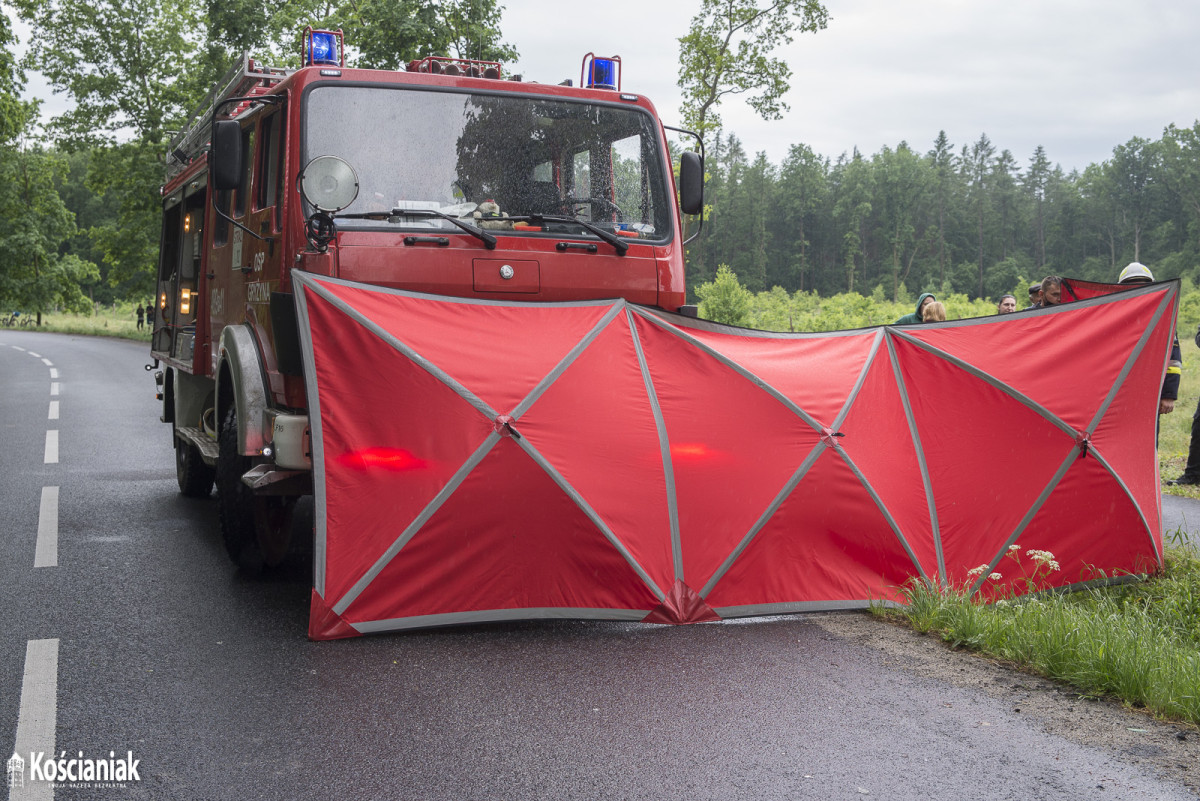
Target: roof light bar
[(323, 48), (601, 73)]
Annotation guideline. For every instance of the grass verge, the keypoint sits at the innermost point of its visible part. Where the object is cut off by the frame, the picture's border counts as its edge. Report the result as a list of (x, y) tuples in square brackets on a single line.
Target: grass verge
[(1138, 642), (116, 321)]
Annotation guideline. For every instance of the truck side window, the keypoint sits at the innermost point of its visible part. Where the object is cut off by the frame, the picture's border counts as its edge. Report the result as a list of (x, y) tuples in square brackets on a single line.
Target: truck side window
[(270, 166), (243, 190)]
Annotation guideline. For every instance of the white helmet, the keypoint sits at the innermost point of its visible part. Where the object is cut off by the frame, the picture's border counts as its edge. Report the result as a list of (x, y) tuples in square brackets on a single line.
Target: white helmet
[(1135, 271)]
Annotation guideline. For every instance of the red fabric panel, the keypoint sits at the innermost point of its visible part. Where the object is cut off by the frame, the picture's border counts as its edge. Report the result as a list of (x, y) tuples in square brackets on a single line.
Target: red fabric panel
[(1126, 434), (879, 441), (733, 447), (392, 436), (817, 373), (605, 443), (498, 352), (1076, 524), (1066, 361), (989, 456), (817, 550), (1076, 289), (507, 539), (381, 468)]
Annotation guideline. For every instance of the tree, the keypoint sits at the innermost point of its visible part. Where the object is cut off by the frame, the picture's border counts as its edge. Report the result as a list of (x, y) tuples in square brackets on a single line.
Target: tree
[(942, 159), (901, 197), (728, 51), (379, 34), (1036, 178), (1131, 172), (851, 211), (803, 187), (724, 299), (34, 277), (977, 167), (13, 111), (126, 65)]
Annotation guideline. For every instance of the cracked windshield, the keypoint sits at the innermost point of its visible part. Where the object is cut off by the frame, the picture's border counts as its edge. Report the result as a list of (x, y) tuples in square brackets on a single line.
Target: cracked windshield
[(493, 161)]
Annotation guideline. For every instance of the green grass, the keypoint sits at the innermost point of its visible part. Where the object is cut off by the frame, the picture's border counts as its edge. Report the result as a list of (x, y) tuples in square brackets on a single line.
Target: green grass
[(1138, 641), (119, 320)]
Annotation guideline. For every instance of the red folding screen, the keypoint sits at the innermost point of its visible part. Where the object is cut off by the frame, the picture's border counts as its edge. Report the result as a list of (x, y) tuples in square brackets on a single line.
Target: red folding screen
[(481, 461)]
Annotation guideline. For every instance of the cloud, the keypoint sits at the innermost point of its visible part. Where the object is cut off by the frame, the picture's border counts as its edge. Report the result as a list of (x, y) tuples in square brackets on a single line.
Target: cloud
[(1075, 76)]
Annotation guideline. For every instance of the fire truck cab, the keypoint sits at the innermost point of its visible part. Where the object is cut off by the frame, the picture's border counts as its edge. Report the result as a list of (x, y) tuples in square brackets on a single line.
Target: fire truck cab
[(448, 177)]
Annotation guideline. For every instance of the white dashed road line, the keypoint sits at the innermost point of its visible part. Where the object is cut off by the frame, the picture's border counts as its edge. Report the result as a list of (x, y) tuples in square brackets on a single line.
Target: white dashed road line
[(53, 410), (52, 446), (46, 552), (53, 387), (38, 716), (54, 372), (47, 362)]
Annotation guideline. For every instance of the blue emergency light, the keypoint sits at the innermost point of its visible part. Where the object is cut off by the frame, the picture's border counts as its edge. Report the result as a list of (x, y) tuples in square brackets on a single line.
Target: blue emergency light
[(322, 47), (601, 73)]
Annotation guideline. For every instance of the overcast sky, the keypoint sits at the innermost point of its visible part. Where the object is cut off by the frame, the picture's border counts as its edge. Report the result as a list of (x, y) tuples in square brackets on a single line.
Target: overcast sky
[(1075, 76)]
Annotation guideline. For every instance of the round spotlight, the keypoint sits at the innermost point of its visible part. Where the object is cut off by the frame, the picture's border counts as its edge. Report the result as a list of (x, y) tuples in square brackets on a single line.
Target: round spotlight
[(329, 183)]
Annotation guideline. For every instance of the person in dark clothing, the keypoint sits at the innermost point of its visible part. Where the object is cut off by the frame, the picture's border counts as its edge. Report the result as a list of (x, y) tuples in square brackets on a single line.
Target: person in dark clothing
[(1191, 471), (1137, 273), (141, 318), (1035, 296), (915, 317)]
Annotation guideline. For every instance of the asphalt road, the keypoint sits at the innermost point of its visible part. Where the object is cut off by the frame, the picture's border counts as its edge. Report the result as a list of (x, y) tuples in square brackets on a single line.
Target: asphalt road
[(161, 649)]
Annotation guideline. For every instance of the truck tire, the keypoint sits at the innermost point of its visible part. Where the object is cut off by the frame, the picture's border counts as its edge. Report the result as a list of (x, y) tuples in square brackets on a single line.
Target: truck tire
[(256, 529), (194, 476)]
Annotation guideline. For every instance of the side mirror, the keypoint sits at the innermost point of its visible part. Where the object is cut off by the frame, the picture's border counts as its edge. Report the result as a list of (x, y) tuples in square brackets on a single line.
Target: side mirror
[(691, 183), (225, 155)]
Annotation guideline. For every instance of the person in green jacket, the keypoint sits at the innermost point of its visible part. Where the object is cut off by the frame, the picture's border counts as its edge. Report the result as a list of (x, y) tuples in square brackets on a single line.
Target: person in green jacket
[(915, 317)]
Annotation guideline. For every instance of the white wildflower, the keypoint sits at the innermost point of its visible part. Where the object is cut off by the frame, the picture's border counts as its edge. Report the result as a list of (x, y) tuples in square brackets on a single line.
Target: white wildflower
[(1014, 547), (995, 577), (977, 571)]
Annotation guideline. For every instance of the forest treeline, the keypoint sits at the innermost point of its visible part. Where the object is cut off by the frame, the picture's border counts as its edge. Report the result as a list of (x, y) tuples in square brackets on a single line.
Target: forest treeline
[(955, 218)]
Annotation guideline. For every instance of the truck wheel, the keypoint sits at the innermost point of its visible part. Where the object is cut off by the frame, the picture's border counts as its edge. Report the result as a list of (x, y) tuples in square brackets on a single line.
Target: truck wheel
[(194, 476), (256, 529)]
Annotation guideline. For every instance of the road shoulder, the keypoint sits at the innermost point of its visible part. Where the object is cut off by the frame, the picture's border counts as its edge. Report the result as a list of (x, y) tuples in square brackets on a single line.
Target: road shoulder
[(1170, 750)]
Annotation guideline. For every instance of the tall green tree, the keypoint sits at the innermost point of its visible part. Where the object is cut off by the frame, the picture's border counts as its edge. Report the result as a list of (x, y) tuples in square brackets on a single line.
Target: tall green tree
[(13, 111), (730, 50), (852, 212), (1132, 171), (944, 164), (1036, 178), (803, 186), (34, 275), (901, 199), (121, 63), (977, 170)]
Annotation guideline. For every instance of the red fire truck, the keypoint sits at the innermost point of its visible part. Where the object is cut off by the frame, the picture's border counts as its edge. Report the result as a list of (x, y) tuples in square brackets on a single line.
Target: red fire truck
[(448, 177)]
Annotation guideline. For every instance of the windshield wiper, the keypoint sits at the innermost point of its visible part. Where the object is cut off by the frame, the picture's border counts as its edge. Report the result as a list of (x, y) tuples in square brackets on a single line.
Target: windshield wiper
[(489, 240), (608, 236)]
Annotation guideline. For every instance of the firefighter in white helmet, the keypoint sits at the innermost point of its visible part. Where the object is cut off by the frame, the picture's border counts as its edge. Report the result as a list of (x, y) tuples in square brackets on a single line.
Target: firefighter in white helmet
[(1138, 273)]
